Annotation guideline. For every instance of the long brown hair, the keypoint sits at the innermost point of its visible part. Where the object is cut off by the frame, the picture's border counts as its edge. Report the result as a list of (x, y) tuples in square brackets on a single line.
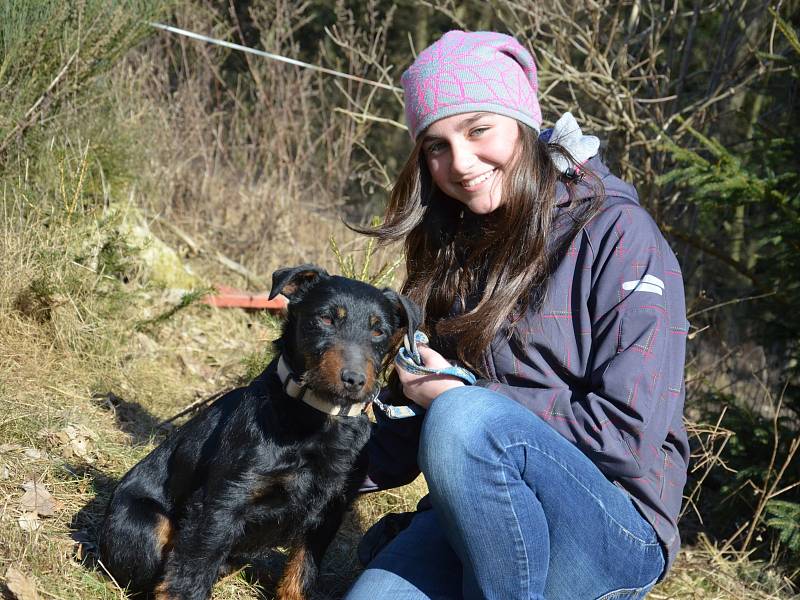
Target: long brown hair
[(473, 275)]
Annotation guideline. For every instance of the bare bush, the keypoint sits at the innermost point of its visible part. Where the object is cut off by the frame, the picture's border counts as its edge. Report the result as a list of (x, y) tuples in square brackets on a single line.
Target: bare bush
[(252, 156)]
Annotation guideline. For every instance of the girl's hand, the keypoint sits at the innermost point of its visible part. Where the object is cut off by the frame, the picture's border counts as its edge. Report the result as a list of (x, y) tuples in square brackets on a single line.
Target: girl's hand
[(422, 389)]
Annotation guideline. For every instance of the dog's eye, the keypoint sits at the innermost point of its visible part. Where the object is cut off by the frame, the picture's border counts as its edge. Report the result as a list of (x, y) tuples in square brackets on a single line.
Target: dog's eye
[(377, 334), (326, 320)]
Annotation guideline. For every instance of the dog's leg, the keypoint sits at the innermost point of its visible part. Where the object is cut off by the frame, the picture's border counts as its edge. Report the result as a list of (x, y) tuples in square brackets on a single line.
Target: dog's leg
[(305, 557), (135, 538), (200, 549), (298, 576)]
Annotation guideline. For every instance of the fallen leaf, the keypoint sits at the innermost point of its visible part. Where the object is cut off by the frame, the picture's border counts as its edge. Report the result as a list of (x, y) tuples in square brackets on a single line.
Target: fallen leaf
[(189, 365), (80, 446), (86, 432), (4, 472), (72, 441), (33, 453), (146, 343), (29, 522), (9, 447), (20, 585), (37, 499)]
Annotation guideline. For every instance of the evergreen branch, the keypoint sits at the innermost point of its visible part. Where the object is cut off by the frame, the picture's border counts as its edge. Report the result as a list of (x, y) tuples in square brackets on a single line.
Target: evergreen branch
[(30, 116), (187, 299), (787, 30)]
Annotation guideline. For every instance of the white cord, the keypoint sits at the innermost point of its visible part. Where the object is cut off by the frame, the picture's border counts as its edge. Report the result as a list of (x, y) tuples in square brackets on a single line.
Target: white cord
[(278, 57)]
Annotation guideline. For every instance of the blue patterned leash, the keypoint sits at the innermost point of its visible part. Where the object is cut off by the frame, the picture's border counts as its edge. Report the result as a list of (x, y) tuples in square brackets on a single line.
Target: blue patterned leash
[(408, 359)]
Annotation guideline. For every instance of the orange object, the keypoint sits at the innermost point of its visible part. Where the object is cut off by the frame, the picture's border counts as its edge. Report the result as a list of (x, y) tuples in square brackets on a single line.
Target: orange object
[(228, 297)]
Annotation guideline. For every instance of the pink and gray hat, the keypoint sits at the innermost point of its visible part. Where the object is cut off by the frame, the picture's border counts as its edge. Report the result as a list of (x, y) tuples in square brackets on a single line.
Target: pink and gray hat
[(471, 72)]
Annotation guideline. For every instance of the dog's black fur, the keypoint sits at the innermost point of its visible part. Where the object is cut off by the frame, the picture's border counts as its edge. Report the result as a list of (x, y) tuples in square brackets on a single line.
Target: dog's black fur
[(258, 469)]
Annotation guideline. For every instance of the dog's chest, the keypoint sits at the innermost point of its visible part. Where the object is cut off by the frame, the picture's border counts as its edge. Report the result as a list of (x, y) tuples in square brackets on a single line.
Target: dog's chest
[(306, 478)]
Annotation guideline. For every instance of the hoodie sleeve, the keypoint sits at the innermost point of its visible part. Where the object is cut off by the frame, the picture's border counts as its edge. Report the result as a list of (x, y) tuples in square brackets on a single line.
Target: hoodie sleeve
[(392, 451), (626, 293)]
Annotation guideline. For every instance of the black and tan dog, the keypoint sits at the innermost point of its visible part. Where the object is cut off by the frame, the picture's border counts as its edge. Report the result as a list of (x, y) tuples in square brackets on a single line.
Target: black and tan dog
[(275, 463)]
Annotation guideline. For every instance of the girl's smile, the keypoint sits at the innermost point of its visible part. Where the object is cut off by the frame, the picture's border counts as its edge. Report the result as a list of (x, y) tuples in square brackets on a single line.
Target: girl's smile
[(475, 184), (467, 156)]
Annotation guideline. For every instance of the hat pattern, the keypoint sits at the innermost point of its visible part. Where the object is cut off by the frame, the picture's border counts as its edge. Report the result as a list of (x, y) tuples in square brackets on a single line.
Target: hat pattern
[(469, 72)]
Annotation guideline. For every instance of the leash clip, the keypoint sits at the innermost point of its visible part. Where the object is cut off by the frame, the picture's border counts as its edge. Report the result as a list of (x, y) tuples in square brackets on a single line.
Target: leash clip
[(395, 412)]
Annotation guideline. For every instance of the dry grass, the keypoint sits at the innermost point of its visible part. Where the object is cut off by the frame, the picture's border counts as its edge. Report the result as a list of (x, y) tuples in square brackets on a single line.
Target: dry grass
[(248, 156), (75, 360), (243, 171), (702, 572)]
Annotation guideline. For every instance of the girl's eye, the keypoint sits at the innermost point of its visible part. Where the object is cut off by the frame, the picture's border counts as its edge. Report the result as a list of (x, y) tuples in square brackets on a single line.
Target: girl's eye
[(435, 148), (478, 131)]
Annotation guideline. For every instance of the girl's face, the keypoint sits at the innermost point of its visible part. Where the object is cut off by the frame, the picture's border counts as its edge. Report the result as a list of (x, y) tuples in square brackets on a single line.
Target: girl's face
[(467, 156)]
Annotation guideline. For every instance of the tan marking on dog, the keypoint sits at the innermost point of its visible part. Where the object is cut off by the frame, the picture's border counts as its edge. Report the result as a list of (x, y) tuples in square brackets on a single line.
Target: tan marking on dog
[(371, 376), (341, 312), (290, 587), (374, 320), (331, 365), (270, 485), (165, 534), (292, 286), (161, 592)]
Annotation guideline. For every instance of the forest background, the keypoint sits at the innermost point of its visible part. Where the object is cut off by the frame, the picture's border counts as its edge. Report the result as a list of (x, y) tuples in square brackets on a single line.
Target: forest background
[(139, 168)]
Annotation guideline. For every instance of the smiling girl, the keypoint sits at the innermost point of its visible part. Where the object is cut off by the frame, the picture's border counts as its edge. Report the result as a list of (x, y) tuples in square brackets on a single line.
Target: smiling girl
[(559, 474)]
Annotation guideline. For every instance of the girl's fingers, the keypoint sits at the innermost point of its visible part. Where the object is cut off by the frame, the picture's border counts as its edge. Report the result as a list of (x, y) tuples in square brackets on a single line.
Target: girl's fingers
[(431, 358)]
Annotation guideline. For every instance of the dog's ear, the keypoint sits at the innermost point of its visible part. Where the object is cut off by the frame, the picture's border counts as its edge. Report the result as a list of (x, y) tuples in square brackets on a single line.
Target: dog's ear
[(408, 311), (292, 280)]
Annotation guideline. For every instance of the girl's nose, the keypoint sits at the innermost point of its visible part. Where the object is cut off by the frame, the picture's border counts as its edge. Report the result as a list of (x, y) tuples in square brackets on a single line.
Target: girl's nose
[(462, 159)]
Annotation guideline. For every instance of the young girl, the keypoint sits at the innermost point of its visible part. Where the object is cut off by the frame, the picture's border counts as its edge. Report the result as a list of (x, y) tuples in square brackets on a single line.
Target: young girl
[(559, 474)]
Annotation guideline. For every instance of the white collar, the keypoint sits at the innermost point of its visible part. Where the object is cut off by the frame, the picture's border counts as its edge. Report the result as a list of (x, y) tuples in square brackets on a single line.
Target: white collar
[(300, 391)]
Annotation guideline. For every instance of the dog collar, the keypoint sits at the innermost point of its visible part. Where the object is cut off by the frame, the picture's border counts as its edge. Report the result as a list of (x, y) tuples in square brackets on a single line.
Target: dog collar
[(297, 390)]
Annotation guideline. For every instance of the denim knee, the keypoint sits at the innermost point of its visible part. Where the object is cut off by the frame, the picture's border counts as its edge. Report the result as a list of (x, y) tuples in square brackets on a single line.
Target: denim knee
[(456, 427)]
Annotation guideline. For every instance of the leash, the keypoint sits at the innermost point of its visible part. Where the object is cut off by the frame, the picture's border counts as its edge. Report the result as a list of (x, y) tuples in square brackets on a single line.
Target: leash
[(408, 359), (396, 412)]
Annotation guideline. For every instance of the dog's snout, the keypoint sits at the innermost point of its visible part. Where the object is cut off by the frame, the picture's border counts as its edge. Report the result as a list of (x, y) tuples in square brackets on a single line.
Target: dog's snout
[(353, 380)]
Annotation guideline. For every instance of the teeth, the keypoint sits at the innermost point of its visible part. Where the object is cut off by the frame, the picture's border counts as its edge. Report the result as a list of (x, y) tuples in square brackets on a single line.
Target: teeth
[(477, 180)]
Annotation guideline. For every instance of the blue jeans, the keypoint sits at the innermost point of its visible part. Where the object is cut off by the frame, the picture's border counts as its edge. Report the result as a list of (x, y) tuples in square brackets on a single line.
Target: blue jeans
[(518, 513)]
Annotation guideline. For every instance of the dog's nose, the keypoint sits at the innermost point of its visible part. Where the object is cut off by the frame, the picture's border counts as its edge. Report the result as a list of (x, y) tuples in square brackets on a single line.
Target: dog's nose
[(353, 380)]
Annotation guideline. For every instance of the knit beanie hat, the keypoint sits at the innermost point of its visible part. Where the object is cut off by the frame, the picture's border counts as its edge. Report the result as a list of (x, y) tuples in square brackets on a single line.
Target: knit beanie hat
[(471, 72)]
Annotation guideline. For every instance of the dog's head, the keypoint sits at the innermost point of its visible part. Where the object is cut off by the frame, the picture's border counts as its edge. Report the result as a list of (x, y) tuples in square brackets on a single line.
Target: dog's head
[(339, 330)]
